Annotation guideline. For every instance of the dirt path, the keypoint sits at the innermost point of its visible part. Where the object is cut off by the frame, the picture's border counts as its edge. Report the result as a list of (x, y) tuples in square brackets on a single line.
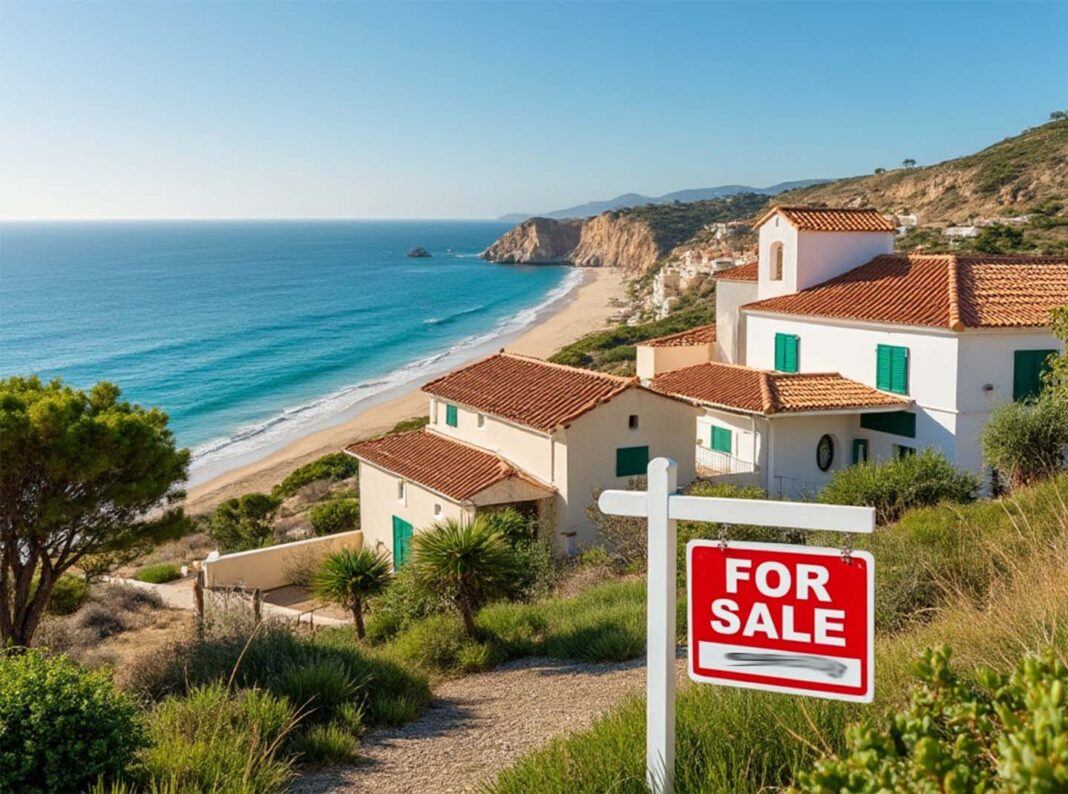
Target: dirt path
[(479, 724)]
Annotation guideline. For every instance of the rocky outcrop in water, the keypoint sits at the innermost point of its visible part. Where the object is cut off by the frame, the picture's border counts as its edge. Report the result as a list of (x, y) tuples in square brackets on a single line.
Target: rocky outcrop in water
[(419, 253)]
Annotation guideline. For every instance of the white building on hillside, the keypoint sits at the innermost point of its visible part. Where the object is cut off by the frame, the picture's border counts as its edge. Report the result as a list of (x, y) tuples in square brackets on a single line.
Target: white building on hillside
[(517, 431), (833, 350)]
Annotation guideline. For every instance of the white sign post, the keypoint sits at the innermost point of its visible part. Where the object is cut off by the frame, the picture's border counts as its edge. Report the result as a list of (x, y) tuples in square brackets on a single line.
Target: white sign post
[(663, 507)]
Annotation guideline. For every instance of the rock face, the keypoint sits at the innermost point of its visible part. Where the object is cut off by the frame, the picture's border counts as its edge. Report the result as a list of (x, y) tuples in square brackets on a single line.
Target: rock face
[(419, 253), (606, 240), (536, 241)]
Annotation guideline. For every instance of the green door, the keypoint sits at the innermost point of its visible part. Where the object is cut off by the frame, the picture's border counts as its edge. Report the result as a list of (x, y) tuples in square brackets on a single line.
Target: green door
[(402, 542), (1028, 368)]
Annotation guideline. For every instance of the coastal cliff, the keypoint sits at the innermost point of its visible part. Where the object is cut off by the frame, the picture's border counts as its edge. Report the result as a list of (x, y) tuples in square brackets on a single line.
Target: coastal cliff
[(536, 241)]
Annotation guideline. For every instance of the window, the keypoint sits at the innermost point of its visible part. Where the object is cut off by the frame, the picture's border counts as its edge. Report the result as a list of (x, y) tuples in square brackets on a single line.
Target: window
[(437, 510), (860, 450), (631, 461), (632, 422), (786, 352), (900, 423), (825, 452), (433, 412), (400, 491), (451, 416), (901, 451), (892, 369), (776, 260), (402, 542), (1028, 368), (721, 440), (481, 420)]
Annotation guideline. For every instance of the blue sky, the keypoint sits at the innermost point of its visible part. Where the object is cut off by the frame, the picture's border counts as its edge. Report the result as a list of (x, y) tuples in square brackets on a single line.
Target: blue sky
[(471, 110)]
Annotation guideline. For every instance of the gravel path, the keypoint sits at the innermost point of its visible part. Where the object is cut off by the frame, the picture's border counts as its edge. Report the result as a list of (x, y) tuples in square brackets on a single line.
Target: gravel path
[(479, 724)]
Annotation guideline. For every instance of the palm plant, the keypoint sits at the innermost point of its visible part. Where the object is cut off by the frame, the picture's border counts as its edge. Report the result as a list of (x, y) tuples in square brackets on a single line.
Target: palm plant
[(471, 560), (349, 577)]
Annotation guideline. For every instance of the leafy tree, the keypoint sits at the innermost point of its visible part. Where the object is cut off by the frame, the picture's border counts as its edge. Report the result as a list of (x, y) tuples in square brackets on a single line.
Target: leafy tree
[(472, 560), (335, 515), (880, 170), (349, 577), (908, 162), (245, 522), (999, 239), (994, 732), (83, 473), (1057, 375), (1026, 441), (1058, 115)]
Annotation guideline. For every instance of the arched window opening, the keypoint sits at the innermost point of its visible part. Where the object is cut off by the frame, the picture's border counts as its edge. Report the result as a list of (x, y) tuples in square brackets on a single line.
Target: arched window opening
[(776, 262)]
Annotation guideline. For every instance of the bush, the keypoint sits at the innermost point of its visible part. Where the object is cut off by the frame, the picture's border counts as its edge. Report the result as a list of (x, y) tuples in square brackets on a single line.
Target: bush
[(320, 689), (244, 523), (335, 515), (322, 745), (61, 727), (1026, 441), (893, 486), (332, 468), (67, 595), (158, 574), (215, 740), (992, 731), (406, 600)]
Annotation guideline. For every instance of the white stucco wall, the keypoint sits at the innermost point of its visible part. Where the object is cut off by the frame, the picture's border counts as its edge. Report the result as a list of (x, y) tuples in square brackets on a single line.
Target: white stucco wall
[(586, 451), (730, 334), (747, 434), (792, 470), (270, 567)]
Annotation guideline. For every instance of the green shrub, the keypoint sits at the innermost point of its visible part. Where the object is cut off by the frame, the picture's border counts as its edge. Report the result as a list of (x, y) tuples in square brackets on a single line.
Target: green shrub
[(989, 732), (321, 745), (61, 727), (159, 573), (895, 485), (405, 600), (320, 689), (1026, 441), (333, 467), (68, 595), (405, 425), (435, 643), (213, 740), (335, 515), (245, 522)]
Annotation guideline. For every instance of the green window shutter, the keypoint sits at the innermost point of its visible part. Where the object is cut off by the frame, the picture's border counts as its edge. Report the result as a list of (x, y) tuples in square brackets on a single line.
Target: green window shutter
[(860, 450), (721, 440), (402, 542), (451, 415), (632, 461), (900, 423), (892, 368), (1028, 368), (786, 352)]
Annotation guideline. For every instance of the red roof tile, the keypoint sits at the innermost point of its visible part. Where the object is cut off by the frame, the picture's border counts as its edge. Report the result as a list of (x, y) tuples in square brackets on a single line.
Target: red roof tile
[(749, 272), (954, 291), (763, 392), (832, 219), (528, 391), (448, 467), (701, 335)]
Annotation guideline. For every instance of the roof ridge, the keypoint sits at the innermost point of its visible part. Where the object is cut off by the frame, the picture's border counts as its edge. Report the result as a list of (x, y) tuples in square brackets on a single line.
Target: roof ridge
[(766, 400), (953, 287)]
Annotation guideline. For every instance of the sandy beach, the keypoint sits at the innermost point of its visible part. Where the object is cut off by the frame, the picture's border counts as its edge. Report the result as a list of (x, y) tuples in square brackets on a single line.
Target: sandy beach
[(587, 309)]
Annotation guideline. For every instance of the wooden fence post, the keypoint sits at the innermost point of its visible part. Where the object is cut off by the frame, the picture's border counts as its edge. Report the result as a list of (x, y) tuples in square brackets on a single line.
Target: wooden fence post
[(257, 605), (198, 598)]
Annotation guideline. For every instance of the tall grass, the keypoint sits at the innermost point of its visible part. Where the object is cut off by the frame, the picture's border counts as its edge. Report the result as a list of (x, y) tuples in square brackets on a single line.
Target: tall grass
[(995, 589)]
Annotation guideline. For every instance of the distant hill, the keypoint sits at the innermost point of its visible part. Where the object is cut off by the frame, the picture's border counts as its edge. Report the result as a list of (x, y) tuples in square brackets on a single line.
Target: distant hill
[(637, 200), (1020, 174)]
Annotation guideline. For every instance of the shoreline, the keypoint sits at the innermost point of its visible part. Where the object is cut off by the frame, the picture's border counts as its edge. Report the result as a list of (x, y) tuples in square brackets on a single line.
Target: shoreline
[(585, 308)]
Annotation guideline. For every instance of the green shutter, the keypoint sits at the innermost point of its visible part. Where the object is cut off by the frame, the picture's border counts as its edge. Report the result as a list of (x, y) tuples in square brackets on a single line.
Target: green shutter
[(786, 352), (860, 450), (450, 415), (1028, 368), (632, 461), (900, 423), (402, 542), (721, 440), (892, 368)]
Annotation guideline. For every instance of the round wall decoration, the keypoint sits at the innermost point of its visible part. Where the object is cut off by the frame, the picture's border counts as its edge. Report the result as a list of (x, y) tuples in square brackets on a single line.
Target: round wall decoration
[(825, 452)]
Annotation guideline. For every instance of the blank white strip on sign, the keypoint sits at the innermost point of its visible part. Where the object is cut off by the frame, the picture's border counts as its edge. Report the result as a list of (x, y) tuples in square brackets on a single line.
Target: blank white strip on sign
[(716, 656)]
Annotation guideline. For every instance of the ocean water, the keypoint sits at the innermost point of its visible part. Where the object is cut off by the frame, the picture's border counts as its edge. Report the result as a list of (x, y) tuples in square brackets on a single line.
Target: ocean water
[(249, 334)]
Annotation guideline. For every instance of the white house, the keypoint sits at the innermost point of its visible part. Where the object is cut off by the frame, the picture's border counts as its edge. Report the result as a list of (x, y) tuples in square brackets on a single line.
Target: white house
[(833, 349), (517, 431)]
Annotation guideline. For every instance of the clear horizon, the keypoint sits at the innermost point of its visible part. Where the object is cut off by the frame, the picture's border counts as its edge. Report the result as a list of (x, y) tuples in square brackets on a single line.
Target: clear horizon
[(450, 111)]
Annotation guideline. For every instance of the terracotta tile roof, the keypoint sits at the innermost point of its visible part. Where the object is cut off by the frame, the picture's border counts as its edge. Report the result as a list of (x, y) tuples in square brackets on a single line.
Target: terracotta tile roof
[(749, 272), (449, 467), (701, 335), (954, 291), (764, 392), (528, 391), (832, 219)]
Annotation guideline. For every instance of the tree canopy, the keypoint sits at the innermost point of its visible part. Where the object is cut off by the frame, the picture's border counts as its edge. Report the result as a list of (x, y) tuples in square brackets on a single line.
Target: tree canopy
[(81, 473)]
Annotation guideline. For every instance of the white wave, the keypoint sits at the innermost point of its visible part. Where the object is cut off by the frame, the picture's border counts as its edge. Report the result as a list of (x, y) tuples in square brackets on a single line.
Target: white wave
[(215, 457)]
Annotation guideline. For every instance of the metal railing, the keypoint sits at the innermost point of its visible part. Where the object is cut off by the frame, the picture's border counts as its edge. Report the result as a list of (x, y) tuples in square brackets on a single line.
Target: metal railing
[(714, 462)]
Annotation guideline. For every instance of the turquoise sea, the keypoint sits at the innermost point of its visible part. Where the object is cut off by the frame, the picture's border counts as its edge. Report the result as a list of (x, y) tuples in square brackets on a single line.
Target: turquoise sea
[(251, 333)]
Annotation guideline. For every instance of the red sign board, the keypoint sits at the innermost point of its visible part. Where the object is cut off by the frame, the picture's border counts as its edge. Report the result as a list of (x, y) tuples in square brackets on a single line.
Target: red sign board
[(784, 618)]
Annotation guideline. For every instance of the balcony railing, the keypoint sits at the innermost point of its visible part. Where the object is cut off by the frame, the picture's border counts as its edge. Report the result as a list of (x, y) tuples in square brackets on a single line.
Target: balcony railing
[(712, 462)]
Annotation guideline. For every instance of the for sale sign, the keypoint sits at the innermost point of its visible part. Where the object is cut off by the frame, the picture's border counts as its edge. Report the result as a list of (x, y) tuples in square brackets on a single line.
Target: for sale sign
[(780, 617)]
